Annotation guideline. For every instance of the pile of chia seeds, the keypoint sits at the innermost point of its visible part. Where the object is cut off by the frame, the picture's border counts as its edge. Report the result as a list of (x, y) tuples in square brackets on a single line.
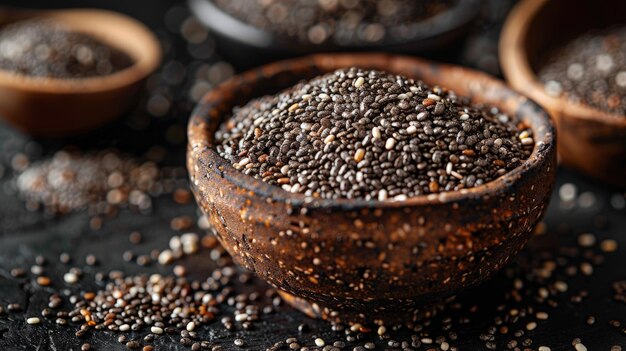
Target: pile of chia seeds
[(99, 182), (44, 49), (373, 135), (591, 70), (343, 22)]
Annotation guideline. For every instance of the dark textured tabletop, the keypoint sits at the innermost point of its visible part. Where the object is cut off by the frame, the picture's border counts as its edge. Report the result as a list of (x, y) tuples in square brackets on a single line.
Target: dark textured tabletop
[(577, 272)]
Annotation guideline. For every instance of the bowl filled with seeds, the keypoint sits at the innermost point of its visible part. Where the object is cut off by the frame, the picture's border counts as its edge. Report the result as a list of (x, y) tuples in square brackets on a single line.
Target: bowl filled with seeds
[(284, 28), (362, 186), (65, 72), (571, 58)]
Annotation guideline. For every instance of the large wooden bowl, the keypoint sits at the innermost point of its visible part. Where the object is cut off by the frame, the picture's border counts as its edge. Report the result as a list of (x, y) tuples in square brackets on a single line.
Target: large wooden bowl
[(54, 107), (369, 259), (590, 140)]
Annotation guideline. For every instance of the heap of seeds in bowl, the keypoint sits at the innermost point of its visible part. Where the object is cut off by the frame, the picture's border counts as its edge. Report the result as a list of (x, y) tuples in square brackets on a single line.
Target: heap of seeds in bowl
[(42, 48), (366, 134), (590, 69), (343, 22)]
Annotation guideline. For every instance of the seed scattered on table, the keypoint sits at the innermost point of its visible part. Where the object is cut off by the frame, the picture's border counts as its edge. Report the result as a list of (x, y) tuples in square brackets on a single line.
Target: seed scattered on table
[(580, 347), (33, 320), (70, 278), (97, 181)]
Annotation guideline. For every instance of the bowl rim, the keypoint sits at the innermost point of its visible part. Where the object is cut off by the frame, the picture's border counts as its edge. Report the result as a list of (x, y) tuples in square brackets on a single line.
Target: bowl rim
[(144, 62), (519, 73), (209, 14), (199, 146)]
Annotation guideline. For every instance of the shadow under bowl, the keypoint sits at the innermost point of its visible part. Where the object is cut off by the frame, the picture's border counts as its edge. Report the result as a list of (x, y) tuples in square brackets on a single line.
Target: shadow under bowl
[(58, 107), (590, 140), (369, 260)]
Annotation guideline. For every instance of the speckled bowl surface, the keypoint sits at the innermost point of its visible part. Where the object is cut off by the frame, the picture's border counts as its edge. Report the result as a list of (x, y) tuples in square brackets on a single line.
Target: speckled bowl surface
[(369, 260)]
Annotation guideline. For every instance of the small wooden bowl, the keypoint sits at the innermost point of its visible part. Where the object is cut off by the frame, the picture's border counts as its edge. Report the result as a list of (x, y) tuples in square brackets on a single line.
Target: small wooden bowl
[(54, 107), (244, 41), (590, 140), (369, 260)]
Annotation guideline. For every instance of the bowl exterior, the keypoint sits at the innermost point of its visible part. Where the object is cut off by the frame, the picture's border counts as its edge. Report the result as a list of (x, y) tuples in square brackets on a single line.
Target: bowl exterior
[(45, 114), (595, 147), (371, 259), (590, 140), (383, 258)]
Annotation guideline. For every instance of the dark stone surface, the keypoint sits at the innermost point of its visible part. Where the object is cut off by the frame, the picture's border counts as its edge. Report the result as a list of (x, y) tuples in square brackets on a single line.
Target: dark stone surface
[(25, 234)]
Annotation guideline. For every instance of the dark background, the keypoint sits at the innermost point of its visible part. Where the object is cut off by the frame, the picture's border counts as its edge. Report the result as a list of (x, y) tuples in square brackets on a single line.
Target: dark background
[(25, 234)]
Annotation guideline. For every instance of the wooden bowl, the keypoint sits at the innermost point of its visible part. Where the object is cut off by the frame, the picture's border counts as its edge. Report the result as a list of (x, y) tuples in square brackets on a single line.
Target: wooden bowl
[(369, 259), (56, 107), (244, 41), (590, 140)]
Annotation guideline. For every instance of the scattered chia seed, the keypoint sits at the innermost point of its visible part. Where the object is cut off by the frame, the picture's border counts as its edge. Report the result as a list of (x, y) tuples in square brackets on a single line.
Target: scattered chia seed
[(319, 342), (590, 69), (33, 320), (619, 288), (70, 278), (135, 238), (133, 344), (18, 273), (99, 182), (91, 260), (390, 138), (586, 240), (42, 48), (14, 307), (608, 245), (580, 347), (152, 306), (341, 22), (43, 281)]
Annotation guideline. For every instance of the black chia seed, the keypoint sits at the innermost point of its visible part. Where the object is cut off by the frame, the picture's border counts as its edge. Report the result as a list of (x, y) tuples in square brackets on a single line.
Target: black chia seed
[(41, 48), (373, 135), (590, 69), (619, 288), (343, 22)]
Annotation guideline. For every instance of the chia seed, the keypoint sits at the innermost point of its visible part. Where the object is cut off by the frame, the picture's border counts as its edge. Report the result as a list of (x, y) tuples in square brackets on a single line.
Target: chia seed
[(389, 138), (42, 48), (590, 69), (99, 182), (341, 22), (619, 288)]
